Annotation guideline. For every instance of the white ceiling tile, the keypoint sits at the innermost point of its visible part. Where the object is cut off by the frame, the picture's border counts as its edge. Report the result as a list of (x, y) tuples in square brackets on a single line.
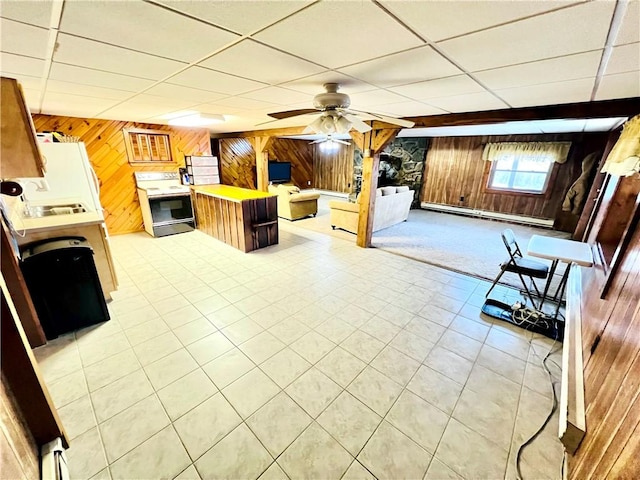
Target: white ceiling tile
[(246, 104), (339, 33), (252, 60), (33, 12), (216, 109), (155, 100), (22, 39), (312, 85), (206, 79), (470, 102), (437, 20), (184, 93), (375, 97), (630, 29), (56, 103), (278, 95), (32, 97), (571, 30), (407, 67), (97, 78), (408, 109), (56, 86), (625, 58), (100, 56), (136, 111), (20, 65), (621, 85), (28, 81), (571, 67), (443, 87), (549, 93), (143, 27), (239, 15)]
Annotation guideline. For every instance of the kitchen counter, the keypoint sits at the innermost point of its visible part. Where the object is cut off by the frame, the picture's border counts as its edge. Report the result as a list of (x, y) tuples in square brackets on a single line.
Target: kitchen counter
[(37, 224), (245, 219), (234, 194)]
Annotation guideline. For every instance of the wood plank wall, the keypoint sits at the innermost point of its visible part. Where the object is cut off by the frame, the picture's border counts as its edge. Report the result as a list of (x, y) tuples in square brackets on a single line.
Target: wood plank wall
[(106, 148), (611, 350), (238, 161), (300, 154), (333, 169), (19, 456), (455, 168)]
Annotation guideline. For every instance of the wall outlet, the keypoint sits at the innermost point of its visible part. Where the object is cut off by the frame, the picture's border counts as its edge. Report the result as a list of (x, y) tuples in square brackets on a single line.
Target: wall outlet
[(462, 198), (308, 182)]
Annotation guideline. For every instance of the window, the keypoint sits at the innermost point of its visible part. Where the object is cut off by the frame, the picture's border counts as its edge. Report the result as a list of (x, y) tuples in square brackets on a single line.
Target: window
[(147, 145), (521, 172)]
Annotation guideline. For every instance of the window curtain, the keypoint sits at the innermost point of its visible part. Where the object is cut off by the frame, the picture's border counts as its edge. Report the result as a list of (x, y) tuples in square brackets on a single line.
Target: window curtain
[(560, 150), (624, 159)]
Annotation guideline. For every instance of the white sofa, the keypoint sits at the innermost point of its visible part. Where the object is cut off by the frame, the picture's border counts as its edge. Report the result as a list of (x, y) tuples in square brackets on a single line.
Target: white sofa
[(392, 206)]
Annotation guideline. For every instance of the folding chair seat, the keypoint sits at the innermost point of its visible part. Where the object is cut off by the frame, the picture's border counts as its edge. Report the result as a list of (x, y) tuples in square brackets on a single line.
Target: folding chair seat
[(523, 267)]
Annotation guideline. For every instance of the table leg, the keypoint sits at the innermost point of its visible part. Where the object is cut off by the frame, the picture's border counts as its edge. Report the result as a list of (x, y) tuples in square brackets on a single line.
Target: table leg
[(563, 281), (561, 288), (552, 271)]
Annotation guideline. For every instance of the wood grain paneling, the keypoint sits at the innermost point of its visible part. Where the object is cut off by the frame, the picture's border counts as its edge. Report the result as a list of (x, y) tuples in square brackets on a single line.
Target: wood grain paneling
[(237, 162), (455, 169), (333, 169), (611, 351), (300, 153), (18, 449), (246, 225), (105, 144)]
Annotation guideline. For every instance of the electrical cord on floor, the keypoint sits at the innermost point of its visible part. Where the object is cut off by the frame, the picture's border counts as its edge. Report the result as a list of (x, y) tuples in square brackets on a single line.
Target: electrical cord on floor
[(546, 421)]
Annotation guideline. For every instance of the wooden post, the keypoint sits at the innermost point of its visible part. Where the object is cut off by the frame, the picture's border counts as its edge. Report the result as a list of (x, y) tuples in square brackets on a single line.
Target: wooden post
[(370, 165), (262, 162), (373, 143)]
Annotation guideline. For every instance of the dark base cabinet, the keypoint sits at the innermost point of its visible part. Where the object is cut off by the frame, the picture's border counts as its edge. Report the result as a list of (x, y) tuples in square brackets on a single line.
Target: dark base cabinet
[(63, 282)]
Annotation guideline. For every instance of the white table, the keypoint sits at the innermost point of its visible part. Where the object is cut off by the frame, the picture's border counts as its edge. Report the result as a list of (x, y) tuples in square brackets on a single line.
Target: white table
[(559, 250)]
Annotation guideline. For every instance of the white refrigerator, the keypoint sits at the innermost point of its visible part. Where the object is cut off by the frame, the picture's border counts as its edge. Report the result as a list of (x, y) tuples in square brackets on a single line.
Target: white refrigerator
[(69, 177)]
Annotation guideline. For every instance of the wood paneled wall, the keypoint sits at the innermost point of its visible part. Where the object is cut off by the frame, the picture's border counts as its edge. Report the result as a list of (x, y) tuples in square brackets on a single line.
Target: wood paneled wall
[(611, 351), (300, 154), (106, 148), (19, 456), (454, 169), (333, 169), (238, 161)]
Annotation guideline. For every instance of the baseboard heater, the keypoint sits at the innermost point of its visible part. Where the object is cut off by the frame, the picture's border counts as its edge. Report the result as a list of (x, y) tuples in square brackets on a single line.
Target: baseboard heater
[(542, 222)]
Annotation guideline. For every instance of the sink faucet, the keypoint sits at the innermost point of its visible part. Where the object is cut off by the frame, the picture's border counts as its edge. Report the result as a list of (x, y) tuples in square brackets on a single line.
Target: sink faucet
[(41, 186)]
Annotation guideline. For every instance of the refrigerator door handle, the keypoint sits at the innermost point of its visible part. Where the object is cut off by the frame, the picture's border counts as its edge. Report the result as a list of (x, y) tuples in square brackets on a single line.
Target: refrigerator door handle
[(96, 181)]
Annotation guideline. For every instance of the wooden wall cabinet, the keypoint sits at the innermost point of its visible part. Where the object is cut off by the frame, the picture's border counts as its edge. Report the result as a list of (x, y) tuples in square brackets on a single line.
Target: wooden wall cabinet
[(19, 154)]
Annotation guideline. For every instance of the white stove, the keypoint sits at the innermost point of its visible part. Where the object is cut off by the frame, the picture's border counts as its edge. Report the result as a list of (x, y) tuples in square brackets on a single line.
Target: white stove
[(160, 183), (165, 203)]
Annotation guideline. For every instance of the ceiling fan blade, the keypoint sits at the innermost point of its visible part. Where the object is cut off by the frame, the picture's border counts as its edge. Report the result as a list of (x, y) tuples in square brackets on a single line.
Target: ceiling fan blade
[(337, 140), (358, 124), (392, 120), (321, 140), (292, 113)]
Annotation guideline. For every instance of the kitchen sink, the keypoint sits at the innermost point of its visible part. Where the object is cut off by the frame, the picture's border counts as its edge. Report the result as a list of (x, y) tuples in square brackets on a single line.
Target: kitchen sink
[(50, 210)]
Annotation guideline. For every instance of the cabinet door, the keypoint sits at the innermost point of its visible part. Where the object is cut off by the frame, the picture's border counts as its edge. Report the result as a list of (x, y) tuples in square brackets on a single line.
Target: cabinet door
[(19, 156)]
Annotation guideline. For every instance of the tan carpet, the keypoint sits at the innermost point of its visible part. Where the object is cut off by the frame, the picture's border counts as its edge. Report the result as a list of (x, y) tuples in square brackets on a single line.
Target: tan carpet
[(463, 244)]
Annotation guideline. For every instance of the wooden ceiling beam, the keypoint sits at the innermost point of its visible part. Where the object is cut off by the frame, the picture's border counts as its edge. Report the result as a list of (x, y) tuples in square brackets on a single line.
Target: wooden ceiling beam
[(603, 109)]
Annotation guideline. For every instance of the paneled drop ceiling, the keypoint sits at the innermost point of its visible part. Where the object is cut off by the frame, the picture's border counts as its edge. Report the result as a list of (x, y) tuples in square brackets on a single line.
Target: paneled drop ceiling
[(148, 60)]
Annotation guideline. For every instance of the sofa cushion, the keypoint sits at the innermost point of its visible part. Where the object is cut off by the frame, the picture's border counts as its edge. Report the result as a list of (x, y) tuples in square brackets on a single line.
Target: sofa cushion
[(402, 189), (388, 191), (289, 188)]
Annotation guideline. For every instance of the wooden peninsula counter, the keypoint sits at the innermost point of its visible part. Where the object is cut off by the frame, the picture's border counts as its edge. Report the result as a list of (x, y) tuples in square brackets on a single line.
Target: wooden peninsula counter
[(245, 219)]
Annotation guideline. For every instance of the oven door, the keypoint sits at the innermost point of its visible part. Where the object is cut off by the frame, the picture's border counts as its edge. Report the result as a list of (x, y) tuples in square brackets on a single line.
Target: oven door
[(171, 208)]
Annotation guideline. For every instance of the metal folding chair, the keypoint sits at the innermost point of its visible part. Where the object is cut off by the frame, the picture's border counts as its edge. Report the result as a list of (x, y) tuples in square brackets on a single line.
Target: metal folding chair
[(520, 266)]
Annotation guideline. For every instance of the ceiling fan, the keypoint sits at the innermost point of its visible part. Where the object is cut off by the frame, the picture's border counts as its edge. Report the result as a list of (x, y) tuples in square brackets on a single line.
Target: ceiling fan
[(334, 115), (329, 139)]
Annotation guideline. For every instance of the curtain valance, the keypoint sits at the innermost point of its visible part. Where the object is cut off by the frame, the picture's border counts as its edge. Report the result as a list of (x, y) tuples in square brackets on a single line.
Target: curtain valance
[(624, 159), (560, 150)]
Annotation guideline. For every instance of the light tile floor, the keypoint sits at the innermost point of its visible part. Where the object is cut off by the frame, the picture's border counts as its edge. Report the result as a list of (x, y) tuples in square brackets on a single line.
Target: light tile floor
[(309, 359)]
